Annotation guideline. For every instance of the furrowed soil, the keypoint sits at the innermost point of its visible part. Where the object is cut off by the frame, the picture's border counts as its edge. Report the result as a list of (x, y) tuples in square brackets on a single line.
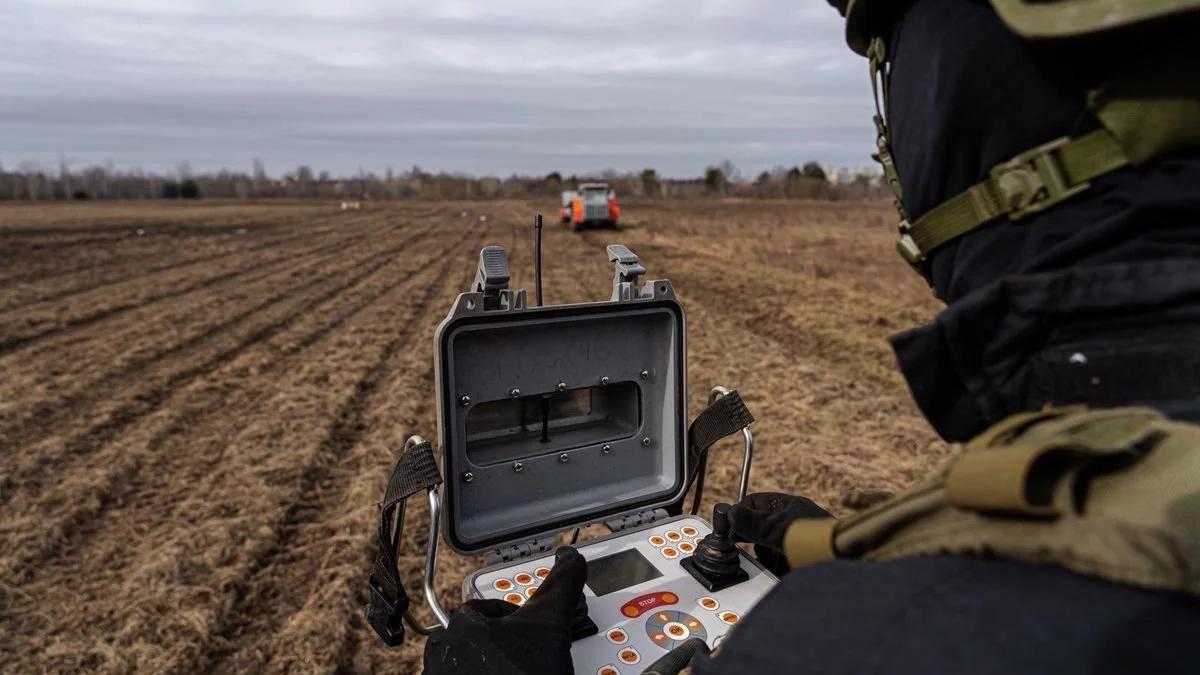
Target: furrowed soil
[(200, 404)]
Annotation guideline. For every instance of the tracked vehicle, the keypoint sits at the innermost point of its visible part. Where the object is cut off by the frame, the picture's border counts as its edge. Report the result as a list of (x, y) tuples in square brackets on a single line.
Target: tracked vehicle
[(592, 205)]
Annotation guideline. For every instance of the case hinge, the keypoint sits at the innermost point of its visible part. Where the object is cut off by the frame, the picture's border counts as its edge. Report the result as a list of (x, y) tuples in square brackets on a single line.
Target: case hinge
[(635, 519), (524, 549)]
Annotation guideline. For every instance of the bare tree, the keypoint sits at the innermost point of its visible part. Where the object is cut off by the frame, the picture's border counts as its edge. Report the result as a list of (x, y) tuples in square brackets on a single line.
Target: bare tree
[(260, 178)]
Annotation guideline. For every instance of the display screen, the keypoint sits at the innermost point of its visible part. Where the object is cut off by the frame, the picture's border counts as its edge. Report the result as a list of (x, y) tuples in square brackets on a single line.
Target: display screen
[(619, 570)]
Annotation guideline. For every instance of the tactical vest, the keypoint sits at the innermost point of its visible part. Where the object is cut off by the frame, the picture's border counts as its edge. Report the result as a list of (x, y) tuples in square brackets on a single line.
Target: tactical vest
[(1149, 109), (1113, 494)]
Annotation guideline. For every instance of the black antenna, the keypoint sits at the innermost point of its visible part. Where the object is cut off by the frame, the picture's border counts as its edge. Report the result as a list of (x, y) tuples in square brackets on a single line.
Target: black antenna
[(537, 259)]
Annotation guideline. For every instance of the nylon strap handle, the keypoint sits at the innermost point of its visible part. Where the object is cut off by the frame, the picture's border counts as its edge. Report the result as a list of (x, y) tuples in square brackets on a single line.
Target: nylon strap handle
[(1029, 183), (723, 417), (415, 471)]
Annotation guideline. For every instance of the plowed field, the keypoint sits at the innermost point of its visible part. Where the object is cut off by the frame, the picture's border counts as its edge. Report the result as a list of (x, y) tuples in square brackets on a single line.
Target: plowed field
[(200, 404)]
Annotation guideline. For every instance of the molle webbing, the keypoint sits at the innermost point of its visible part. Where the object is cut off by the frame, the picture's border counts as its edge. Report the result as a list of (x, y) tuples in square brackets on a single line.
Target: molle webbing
[(1112, 493)]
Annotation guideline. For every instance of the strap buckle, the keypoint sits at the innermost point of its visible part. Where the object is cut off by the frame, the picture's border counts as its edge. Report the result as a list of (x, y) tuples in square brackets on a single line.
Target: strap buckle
[(1034, 180), (385, 614), (907, 247)]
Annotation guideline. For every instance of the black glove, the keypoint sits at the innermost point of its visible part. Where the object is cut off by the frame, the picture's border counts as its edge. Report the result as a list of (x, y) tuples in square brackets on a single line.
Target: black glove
[(496, 637), (674, 661), (762, 519)]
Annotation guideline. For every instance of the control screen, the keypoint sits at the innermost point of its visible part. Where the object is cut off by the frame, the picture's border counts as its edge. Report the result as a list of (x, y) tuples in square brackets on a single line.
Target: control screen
[(619, 570)]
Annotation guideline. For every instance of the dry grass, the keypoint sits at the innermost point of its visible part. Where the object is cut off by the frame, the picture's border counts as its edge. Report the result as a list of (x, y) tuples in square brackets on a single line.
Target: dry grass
[(197, 421)]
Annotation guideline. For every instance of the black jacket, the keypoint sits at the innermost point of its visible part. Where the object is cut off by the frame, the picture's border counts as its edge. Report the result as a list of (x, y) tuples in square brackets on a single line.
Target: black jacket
[(958, 615)]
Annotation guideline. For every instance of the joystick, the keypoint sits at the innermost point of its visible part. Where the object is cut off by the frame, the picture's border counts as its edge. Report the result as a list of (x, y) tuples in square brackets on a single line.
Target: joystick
[(716, 563)]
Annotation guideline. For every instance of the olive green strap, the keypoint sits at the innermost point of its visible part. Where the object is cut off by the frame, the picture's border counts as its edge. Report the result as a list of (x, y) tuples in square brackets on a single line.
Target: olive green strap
[(1031, 182)]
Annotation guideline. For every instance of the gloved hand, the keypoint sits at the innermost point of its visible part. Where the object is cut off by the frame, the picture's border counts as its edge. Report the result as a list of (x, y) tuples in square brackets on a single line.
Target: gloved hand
[(762, 519), (674, 661), (496, 637)]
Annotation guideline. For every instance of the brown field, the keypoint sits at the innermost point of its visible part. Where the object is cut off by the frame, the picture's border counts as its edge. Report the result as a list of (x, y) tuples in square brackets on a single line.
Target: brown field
[(198, 421)]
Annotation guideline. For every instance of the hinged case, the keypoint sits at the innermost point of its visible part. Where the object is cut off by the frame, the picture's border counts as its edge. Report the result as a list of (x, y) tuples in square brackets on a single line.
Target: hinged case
[(560, 416)]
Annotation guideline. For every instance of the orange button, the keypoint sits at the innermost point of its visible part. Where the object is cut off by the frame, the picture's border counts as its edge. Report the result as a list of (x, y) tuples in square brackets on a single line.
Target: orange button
[(502, 585), (663, 617), (658, 638), (670, 552), (530, 591), (689, 531), (673, 536), (514, 598), (608, 670), (675, 631), (693, 624), (542, 572), (629, 610), (657, 540), (669, 598), (708, 603), (729, 617), (524, 579), (629, 656), (687, 547), (617, 636)]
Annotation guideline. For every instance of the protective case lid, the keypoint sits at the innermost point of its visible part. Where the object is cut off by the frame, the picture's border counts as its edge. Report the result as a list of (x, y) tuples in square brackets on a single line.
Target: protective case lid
[(555, 417)]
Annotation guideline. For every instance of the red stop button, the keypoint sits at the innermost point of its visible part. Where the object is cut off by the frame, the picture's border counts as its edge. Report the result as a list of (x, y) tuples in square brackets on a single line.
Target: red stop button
[(644, 603)]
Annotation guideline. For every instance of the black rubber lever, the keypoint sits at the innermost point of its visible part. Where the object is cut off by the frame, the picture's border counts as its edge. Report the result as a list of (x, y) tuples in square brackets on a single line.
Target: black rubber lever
[(716, 563)]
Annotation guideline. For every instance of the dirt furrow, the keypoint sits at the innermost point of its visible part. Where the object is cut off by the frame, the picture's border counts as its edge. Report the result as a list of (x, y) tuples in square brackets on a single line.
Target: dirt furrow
[(140, 266), (125, 366), (41, 290), (45, 319), (30, 478), (114, 481), (41, 263)]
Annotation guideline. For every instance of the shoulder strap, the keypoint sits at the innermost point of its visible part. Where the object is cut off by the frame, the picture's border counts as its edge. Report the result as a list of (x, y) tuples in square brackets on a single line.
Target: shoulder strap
[(723, 417), (416, 470), (1031, 182)]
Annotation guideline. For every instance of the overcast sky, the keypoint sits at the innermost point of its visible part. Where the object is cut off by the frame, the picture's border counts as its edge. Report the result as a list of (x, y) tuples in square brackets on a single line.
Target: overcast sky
[(491, 86)]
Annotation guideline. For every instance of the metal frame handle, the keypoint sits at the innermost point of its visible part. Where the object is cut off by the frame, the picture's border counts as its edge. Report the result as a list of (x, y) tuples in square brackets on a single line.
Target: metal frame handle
[(427, 589), (748, 441)]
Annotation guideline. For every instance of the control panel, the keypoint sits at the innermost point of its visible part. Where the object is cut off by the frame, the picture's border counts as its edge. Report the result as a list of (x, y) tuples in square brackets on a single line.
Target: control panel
[(644, 602)]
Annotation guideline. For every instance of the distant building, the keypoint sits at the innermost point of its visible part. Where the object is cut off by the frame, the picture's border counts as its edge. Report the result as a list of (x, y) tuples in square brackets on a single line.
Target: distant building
[(846, 175)]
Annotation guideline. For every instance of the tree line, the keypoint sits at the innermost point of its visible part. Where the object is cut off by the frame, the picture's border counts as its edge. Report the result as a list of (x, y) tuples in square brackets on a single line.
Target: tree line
[(31, 182)]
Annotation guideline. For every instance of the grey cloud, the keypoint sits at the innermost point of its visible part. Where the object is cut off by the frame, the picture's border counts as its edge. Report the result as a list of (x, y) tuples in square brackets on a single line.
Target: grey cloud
[(484, 87)]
